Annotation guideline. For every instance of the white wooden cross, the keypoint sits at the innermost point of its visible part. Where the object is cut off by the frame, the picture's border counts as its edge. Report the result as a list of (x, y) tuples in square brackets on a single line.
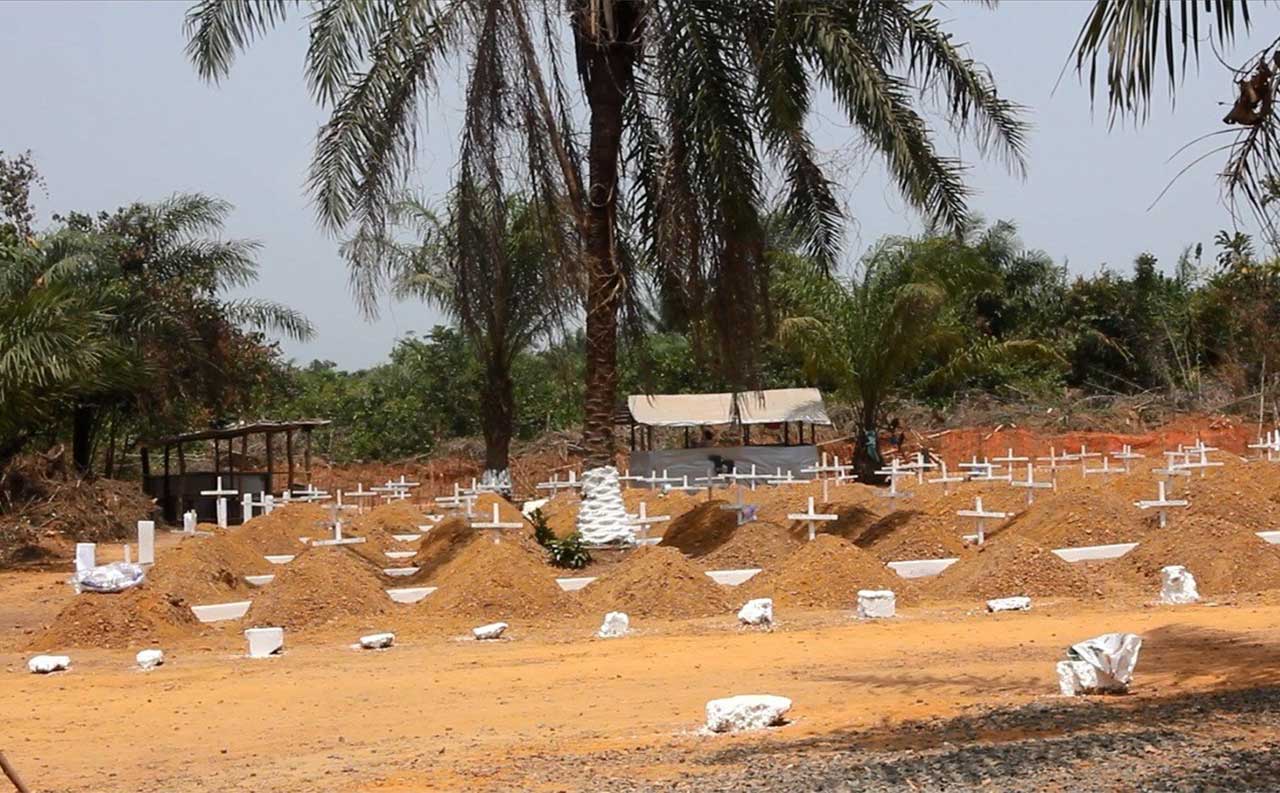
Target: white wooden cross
[(556, 484), (739, 506), (1054, 459), (1270, 443), (920, 465), (821, 468), (222, 494), (1125, 455), (980, 516), (812, 517), (458, 500), (496, 523), (894, 472), (1202, 462), (1083, 456), (360, 496), (310, 494), (1162, 503), (643, 520), (1105, 470), (946, 480), (248, 504), (1008, 460), (1031, 484), (335, 520), (686, 487), (977, 470)]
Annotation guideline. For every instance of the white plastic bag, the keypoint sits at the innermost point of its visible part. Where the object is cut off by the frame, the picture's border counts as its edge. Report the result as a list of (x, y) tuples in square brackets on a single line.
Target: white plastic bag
[(114, 577)]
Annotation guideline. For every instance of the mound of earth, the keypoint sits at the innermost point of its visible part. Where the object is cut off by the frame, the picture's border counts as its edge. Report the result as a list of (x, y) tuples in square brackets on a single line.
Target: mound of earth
[(280, 531), (1007, 566), (322, 585), (659, 582), (1223, 557), (701, 530), (488, 582), (825, 574), (755, 544), (441, 544), (396, 517), (201, 570), (1093, 511)]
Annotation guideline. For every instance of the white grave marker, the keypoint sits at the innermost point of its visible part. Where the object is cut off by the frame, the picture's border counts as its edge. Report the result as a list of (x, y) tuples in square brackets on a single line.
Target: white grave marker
[(1162, 503), (811, 518), (222, 501), (146, 542), (980, 517)]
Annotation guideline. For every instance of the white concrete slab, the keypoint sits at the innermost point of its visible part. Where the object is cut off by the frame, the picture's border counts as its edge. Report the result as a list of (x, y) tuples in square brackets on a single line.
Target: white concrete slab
[(259, 580), (399, 572), (410, 594), (400, 554), (1093, 553), (574, 584), (264, 642), (1272, 537), (218, 612), (284, 558), (407, 537), (732, 577), (920, 568)]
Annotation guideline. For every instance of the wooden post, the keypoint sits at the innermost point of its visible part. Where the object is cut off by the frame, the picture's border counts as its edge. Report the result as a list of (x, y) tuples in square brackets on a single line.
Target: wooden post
[(686, 437), (217, 461), (166, 508), (146, 466), (633, 434), (786, 433), (306, 452), (233, 504), (288, 451), (12, 773), (271, 487), (182, 476)]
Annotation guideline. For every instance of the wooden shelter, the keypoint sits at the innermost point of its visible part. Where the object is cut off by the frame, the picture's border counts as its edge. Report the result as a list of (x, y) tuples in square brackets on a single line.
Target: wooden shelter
[(179, 492)]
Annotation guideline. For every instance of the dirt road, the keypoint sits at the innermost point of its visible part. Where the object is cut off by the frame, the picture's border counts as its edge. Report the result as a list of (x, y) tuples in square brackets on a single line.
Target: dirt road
[(557, 710)]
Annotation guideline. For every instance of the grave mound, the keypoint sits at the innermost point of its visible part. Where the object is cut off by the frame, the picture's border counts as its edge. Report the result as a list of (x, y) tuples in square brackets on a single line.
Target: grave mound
[(507, 512), (561, 512), (1006, 566), (657, 582), (825, 574), (755, 544), (491, 581), (439, 547), (702, 529), (396, 517), (278, 532), (200, 570), (1095, 511), (906, 534), (1224, 558), (322, 585)]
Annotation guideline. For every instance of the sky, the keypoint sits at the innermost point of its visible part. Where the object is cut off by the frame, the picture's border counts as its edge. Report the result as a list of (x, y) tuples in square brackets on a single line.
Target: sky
[(103, 96)]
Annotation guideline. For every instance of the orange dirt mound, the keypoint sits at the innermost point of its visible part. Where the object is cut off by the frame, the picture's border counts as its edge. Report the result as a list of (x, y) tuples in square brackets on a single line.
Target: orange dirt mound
[(756, 544), (322, 585), (1093, 511), (1224, 558), (278, 532), (1007, 566), (657, 582), (201, 570), (397, 517), (561, 511), (825, 574), (701, 530), (443, 542), (490, 581)]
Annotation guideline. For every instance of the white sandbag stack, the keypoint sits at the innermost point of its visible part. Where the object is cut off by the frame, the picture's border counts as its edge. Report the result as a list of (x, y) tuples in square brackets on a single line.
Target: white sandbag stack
[(876, 604), (616, 624), (1101, 665), (602, 516), (489, 632), (746, 712), (757, 612), (149, 659)]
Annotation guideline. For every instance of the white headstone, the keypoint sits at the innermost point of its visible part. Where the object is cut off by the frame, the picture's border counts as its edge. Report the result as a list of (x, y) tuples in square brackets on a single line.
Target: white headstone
[(377, 641), (1177, 586), (875, 604), (86, 556), (616, 624), (757, 612), (44, 664), (264, 642), (746, 712), (189, 521), (491, 631), (1019, 603), (149, 659), (146, 542)]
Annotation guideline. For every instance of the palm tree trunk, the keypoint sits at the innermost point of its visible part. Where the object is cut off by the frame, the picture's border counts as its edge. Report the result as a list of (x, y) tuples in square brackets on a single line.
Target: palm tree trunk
[(498, 417), (609, 75), (866, 453), (83, 419)]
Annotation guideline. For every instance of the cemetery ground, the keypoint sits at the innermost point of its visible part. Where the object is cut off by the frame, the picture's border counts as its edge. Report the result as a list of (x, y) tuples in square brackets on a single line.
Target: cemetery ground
[(942, 696)]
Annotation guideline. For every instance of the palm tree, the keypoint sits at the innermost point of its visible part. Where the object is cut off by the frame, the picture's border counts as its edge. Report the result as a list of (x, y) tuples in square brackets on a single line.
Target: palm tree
[(164, 268), (1141, 39), (503, 297), (862, 336), (689, 108)]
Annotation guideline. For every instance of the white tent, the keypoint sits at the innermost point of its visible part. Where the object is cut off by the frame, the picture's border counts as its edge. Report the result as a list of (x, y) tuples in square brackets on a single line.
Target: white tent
[(773, 406)]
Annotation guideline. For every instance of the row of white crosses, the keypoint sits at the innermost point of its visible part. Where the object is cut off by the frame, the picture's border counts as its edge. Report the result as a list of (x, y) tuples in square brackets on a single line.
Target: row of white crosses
[(556, 484), (821, 469), (459, 501), (1270, 443), (642, 520)]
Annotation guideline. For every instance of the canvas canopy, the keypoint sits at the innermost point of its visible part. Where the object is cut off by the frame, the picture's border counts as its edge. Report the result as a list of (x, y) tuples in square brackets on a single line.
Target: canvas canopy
[(753, 407)]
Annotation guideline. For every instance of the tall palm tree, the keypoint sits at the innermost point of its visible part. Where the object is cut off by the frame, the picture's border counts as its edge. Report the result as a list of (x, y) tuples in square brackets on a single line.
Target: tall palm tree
[(861, 337), (503, 297), (1138, 40), (690, 107)]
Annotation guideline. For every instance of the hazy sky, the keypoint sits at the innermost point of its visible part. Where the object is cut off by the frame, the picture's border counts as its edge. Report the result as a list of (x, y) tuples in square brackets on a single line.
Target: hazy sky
[(103, 95)]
